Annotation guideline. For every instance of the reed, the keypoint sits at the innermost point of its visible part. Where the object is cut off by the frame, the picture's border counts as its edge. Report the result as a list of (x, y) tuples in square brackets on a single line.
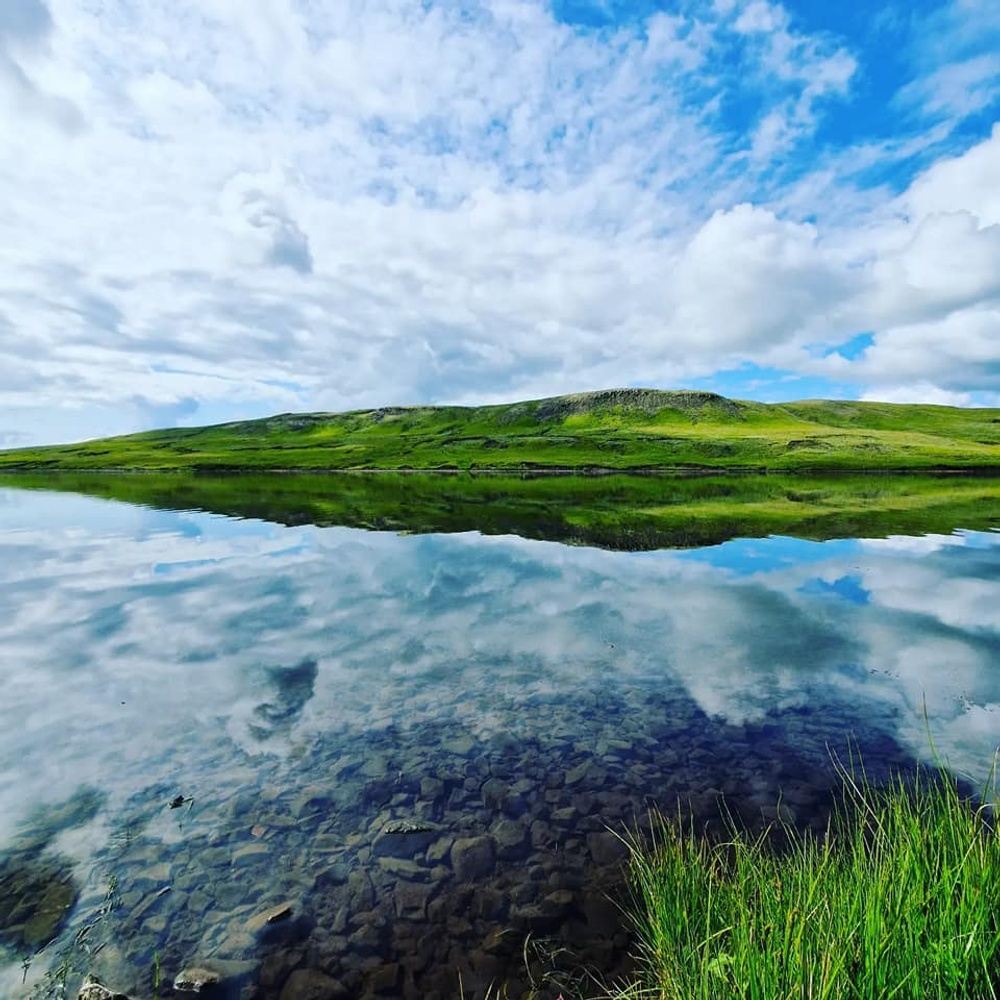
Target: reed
[(898, 900)]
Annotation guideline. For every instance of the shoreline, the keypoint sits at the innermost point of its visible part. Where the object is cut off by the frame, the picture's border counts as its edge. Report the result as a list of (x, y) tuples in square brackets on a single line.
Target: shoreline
[(523, 472)]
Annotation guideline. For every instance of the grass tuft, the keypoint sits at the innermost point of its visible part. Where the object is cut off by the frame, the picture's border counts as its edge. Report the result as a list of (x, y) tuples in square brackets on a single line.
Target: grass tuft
[(898, 900)]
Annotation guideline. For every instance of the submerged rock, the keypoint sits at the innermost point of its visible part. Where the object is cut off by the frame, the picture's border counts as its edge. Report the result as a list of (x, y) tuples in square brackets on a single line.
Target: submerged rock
[(473, 857), (196, 979), (274, 915), (606, 848), (311, 984), (36, 895), (94, 990), (403, 839)]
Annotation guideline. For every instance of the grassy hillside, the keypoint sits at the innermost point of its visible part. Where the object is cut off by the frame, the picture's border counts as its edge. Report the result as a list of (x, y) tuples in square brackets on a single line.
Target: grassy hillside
[(618, 512), (614, 429)]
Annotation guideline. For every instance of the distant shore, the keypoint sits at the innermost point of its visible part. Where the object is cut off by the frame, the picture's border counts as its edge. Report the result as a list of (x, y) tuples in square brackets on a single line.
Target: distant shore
[(634, 431)]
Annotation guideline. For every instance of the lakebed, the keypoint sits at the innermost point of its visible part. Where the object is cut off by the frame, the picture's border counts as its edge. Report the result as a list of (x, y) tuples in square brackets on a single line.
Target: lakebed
[(394, 757)]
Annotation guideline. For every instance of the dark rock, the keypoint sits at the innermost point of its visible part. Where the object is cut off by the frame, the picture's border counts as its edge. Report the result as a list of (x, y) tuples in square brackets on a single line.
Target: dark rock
[(385, 979), (431, 789), (535, 918), (524, 892), (605, 848), (511, 838), (490, 904), (603, 917), (439, 850), (403, 869), (366, 939), (558, 902), (360, 892), (458, 927), (542, 835), (411, 900), (36, 895), (494, 793), (311, 984), (473, 857), (277, 967)]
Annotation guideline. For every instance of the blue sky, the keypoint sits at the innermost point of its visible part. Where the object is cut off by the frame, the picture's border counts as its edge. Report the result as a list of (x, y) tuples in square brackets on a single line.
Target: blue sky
[(220, 209)]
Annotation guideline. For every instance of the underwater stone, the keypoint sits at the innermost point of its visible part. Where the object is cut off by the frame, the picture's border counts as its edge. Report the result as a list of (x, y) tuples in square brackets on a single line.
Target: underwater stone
[(439, 850), (431, 789), (311, 984), (385, 979), (35, 896), (606, 848), (93, 990), (511, 838), (403, 869), (195, 979), (403, 840), (473, 857), (273, 915)]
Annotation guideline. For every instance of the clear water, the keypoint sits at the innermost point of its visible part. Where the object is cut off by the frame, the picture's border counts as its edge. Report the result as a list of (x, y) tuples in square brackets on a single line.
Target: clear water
[(303, 689)]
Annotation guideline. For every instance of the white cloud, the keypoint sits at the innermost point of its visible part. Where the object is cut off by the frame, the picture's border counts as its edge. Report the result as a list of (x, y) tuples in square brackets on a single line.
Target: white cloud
[(956, 89), (916, 392), (948, 262), (961, 183), (818, 68), (721, 281)]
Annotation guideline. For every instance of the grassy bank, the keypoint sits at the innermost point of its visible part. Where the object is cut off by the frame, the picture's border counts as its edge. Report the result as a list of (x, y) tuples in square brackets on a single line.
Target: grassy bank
[(619, 512), (898, 902), (615, 429)]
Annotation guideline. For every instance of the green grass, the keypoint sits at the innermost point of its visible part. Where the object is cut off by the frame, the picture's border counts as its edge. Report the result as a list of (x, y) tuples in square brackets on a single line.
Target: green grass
[(900, 900), (615, 430), (619, 512)]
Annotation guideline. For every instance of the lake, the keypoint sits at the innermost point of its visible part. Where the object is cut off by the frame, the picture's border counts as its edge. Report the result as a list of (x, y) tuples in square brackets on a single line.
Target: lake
[(330, 761)]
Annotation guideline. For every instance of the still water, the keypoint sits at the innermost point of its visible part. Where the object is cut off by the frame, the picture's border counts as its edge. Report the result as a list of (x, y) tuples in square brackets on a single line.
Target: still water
[(407, 750)]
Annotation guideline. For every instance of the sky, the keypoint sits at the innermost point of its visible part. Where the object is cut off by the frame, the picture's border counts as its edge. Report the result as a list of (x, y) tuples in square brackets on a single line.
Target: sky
[(221, 209)]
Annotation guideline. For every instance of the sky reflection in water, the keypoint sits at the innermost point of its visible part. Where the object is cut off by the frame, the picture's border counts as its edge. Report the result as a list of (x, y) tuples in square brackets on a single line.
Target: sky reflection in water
[(126, 631), (143, 647)]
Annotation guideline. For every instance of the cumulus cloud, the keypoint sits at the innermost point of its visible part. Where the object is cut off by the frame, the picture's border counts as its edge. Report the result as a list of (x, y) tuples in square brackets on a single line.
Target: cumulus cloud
[(278, 206), (721, 282)]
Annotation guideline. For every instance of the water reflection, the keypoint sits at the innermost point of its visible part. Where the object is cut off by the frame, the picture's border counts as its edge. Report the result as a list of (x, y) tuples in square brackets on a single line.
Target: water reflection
[(306, 688)]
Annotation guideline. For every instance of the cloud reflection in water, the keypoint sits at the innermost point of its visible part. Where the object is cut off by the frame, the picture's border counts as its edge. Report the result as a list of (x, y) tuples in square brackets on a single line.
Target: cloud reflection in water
[(142, 646)]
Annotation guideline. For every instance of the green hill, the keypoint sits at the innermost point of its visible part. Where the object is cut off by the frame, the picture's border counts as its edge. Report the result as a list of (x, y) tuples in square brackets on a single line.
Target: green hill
[(618, 429)]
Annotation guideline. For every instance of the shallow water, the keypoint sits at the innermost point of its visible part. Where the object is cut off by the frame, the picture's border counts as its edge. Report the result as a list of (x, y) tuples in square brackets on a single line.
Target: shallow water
[(304, 689)]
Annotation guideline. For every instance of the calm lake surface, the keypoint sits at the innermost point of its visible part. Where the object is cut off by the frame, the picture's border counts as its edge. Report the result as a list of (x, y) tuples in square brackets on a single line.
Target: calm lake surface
[(417, 743)]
